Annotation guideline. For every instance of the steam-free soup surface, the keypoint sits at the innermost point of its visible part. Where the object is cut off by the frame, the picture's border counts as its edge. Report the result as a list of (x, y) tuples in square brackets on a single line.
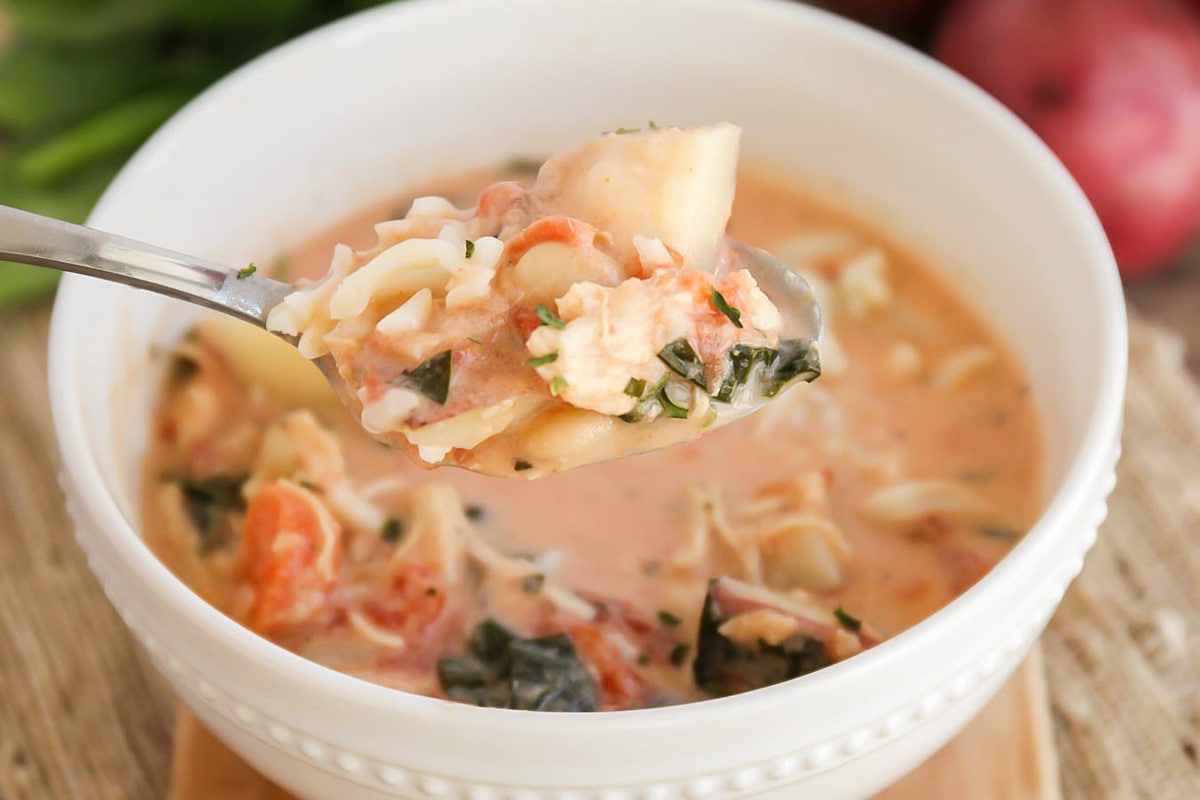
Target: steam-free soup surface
[(840, 515)]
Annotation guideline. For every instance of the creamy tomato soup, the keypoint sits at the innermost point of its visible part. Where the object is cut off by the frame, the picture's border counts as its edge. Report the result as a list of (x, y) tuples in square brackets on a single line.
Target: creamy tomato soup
[(841, 514)]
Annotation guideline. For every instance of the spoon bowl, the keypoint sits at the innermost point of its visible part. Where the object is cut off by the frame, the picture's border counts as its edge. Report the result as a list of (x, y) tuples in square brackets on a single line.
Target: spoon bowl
[(244, 294)]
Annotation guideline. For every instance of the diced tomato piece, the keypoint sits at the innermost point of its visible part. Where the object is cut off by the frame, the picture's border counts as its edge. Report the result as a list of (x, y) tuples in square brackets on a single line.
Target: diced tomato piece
[(286, 558), (621, 685), (567, 230), (496, 200), (524, 320), (414, 604), (963, 567)]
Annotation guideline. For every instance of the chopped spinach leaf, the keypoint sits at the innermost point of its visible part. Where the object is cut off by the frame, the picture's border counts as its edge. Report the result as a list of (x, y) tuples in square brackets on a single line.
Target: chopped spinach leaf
[(431, 378), (547, 675), (504, 670), (721, 304), (670, 407), (668, 619), (683, 361), (679, 654), (538, 361), (183, 369), (490, 641), (206, 500), (797, 358), (635, 387), (470, 248), (722, 666), (246, 271), (547, 317), (849, 622), (461, 673), (393, 530), (742, 359), (1001, 533)]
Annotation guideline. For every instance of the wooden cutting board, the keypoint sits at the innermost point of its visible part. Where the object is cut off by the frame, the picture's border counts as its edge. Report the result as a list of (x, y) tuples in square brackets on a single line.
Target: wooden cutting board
[(1006, 753)]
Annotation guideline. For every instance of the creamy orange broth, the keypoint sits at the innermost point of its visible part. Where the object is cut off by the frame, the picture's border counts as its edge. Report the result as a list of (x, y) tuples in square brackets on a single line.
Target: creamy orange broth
[(621, 531)]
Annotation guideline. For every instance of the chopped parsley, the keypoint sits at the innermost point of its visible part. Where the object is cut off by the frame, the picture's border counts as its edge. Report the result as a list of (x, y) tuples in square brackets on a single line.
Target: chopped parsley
[(431, 378), (668, 619), (721, 304), (470, 248), (538, 361), (681, 358), (557, 384), (623, 131), (643, 660), (635, 387), (475, 513), (547, 317), (520, 465), (850, 623), (393, 530), (474, 340), (246, 271)]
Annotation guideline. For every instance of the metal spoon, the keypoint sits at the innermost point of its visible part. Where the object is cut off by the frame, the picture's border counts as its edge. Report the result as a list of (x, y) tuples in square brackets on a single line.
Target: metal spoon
[(41, 241)]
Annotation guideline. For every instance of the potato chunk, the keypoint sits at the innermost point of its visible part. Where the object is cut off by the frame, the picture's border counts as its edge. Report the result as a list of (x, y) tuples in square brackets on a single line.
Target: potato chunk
[(671, 184)]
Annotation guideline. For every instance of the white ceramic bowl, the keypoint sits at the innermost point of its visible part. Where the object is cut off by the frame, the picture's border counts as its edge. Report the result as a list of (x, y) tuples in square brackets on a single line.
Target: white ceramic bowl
[(350, 114)]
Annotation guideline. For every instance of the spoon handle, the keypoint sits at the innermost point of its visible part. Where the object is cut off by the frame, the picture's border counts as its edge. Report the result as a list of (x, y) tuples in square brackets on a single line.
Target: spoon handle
[(41, 241)]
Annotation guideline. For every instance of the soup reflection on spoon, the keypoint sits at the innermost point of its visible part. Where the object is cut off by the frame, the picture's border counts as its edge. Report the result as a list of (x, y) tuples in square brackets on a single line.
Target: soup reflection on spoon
[(597, 314)]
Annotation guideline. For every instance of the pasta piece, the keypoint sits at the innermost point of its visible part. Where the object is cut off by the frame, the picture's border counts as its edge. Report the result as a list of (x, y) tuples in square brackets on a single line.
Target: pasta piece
[(298, 448), (760, 625), (863, 283), (437, 531), (548, 270), (812, 247), (262, 359), (712, 540), (904, 360), (906, 504), (805, 551), (963, 366)]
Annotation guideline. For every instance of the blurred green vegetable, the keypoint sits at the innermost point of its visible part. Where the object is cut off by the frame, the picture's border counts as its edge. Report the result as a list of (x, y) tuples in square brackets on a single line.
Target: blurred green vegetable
[(84, 82)]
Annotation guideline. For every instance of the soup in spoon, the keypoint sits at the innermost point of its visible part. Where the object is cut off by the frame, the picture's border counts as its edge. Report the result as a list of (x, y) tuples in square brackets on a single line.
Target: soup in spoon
[(596, 314)]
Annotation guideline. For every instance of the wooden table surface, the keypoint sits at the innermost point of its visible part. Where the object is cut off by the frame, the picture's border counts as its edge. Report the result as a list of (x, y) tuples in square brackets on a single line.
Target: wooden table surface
[(82, 715)]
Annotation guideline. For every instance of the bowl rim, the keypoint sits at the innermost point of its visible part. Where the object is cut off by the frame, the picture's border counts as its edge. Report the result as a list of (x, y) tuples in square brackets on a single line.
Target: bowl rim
[(1088, 466)]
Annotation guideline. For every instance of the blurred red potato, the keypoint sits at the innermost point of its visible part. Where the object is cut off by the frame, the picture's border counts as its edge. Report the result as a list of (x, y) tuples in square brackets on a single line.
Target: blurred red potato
[(898, 17), (1113, 87)]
